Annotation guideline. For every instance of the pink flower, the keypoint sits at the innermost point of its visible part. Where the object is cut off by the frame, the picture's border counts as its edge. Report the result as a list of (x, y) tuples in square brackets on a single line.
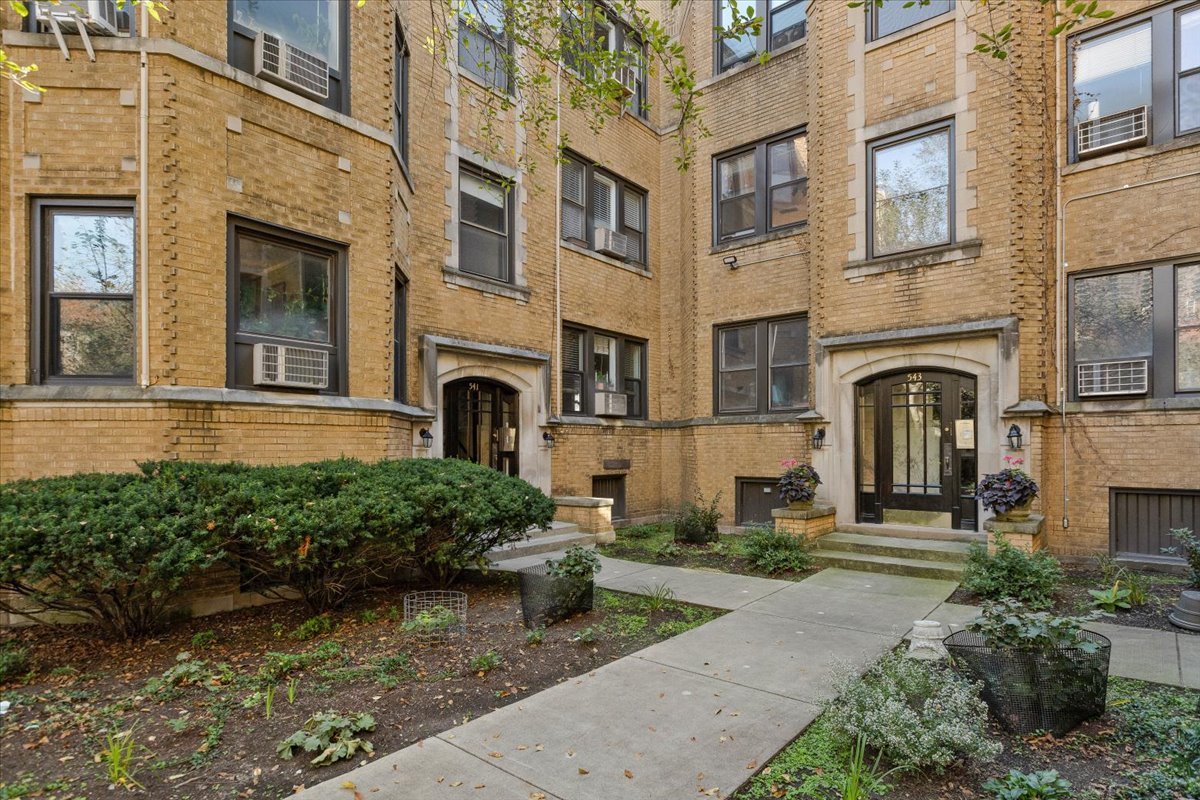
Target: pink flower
[(788, 463)]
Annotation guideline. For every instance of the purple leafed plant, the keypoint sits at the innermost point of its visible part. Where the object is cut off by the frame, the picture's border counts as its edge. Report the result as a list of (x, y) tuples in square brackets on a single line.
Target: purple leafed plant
[(1007, 489), (799, 482)]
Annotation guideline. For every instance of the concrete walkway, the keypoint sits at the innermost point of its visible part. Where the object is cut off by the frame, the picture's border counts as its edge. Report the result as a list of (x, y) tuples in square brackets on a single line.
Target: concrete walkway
[(693, 716), (1148, 655)]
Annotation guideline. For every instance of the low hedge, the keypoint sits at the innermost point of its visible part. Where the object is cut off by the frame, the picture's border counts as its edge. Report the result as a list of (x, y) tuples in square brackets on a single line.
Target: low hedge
[(119, 547)]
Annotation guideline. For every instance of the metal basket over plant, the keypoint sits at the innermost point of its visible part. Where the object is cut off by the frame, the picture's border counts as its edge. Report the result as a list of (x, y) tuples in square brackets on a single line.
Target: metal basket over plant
[(435, 617), (557, 589)]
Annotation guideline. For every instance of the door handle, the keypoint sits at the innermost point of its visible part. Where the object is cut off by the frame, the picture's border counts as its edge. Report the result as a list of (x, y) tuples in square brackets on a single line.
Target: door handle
[(947, 460)]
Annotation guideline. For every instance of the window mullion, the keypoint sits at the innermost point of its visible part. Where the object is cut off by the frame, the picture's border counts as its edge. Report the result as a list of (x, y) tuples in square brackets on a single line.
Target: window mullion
[(1162, 80), (1162, 352)]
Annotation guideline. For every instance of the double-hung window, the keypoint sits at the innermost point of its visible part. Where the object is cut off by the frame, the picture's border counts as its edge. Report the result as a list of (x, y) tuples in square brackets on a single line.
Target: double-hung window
[(305, 49), (287, 293), (400, 95), (1136, 332), (761, 188), (485, 217), (761, 366), (400, 339), (484, 48), (896, 15), (84, 275), (603, 212), (597, 363), (592, 37), (782, 22), (1137, 81), (910, 190)]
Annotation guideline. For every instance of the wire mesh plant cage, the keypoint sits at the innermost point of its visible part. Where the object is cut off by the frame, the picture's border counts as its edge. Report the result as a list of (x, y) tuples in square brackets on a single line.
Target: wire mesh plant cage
[(435, 617), (1052, 689), (547, 598)]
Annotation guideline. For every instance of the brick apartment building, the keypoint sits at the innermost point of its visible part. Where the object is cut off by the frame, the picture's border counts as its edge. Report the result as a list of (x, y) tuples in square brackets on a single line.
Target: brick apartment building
[(889, 243)]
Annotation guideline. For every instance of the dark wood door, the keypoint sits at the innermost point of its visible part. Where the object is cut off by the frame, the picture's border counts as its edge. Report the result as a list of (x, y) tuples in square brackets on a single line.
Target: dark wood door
[(756, 497), (916, 449), (481, 424)]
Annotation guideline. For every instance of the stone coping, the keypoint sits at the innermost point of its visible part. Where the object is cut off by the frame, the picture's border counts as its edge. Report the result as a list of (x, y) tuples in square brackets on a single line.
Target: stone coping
[(818, 510), (583, 502), (1029, 527)]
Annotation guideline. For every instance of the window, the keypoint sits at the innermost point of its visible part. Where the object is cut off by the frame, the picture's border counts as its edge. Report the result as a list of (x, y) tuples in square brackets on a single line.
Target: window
[(588, 29), (483, 45), (1136, 332), (910, 190), (316, 27), (399, 339), (783, 22), (1189, 70), (896, 15), (594, 203), (484, 219), (83, 278), (285, 288), (595, 362), (1136, 84), (761, 188), (761, 366), (400, 95)]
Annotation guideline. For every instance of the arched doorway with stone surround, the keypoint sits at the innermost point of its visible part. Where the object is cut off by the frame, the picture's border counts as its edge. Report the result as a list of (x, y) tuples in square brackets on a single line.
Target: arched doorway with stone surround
[(983, 352)]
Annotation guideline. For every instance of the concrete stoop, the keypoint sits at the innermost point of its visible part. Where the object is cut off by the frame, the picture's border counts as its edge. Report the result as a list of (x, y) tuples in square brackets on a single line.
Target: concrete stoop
[(896, 554), (559, 536)]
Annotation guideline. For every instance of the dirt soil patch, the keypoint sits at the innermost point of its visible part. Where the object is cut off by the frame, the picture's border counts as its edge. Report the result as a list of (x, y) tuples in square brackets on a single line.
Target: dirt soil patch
[(1072, 598), (205, 733), (655, 544)]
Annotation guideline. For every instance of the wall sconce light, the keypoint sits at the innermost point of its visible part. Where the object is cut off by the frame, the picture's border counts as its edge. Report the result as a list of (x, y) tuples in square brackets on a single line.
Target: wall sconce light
[(426, 438), (548, 438), (818, 440), (1014, 436), (730, 261)]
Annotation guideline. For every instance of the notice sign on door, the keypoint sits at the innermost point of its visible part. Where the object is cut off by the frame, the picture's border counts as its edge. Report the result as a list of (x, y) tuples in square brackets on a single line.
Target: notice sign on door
[(964, 434)]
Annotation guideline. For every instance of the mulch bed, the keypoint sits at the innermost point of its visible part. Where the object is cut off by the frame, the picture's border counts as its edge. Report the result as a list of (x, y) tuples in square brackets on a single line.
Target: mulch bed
[(1073, 598), (83, 687), (698, 556)]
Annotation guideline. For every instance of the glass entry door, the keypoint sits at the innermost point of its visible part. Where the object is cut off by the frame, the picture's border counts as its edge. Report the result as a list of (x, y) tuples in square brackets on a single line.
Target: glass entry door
[(916, 449), (481, 424)]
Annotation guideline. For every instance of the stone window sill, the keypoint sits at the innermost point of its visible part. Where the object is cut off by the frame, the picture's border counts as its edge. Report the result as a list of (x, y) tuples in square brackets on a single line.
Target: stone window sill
[(1132, 154), (912, 30), (583, 251), (762, 238), (454, 277), (930, 256), (743, 68), (1117, 406)]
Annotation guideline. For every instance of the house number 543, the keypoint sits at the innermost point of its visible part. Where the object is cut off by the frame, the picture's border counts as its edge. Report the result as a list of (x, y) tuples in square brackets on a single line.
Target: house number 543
[(915, 377)]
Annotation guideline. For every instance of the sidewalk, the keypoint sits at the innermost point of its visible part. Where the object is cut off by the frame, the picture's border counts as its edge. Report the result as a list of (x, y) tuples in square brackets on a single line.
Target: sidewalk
[(1148, 655), (693, 716)]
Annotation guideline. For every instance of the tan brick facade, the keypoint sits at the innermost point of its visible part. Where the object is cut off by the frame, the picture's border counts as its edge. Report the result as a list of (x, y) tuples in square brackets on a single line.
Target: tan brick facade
[(221, 143)]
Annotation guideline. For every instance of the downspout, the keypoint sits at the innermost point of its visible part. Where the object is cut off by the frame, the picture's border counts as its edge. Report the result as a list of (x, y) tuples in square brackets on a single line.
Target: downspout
[(1059, 278), (143, 197), (556, 356)]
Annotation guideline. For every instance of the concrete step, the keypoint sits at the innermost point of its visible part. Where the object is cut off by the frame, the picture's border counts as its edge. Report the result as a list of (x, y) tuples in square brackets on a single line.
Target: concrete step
[(556, 529), (889, 565), (546, 543), (914, 532), (895, 546)]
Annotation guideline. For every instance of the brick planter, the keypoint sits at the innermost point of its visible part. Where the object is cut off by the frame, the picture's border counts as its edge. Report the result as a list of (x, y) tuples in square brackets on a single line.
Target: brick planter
[(808, 523), (1027, 534)]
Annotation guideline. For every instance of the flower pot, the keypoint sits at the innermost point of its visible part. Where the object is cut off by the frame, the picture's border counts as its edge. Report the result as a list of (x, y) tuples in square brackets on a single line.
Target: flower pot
[(800, 505), (1186, 613), (546, 598), (1053, 689), (1018, 513)]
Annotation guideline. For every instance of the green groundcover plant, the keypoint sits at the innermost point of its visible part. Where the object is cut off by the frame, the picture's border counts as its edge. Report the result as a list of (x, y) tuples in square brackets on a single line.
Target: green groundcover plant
[(1031, 578)]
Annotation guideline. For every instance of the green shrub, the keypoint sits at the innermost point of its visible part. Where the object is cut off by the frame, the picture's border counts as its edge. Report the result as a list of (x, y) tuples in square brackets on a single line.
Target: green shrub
[(14, 661), (1017, 785), (484, 663), (774, 552), (313, 627), (578, 563), (114, 548), (918, 715), (696, 524), (1008, 624), (1189, 543), (1031, 578)]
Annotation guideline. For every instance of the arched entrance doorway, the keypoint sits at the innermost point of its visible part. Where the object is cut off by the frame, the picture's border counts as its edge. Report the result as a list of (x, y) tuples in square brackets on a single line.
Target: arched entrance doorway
[(481, 419), (915, 455)]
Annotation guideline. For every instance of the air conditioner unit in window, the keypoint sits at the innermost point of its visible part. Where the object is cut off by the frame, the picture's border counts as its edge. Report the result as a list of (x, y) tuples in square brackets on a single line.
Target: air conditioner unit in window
[(287, 65), (611, 404), (611, 243), (627, 76), (284, 365), (1113, 377), (1113, 132), (96, 16)]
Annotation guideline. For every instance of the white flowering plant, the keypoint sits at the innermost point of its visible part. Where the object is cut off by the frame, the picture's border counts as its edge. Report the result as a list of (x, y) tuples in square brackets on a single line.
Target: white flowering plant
[(917, 715)]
